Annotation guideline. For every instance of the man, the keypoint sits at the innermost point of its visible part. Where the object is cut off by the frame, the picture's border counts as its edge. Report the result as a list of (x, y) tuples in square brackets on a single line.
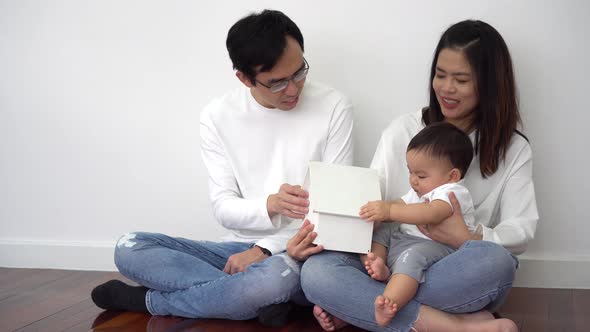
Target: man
[(255, 140)]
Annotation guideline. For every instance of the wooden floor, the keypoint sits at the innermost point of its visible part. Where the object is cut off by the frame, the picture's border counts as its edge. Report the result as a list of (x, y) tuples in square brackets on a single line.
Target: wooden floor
[(59, 300)]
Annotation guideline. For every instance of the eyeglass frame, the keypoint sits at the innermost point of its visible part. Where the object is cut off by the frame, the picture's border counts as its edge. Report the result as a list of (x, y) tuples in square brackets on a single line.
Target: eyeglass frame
[(285, 82)]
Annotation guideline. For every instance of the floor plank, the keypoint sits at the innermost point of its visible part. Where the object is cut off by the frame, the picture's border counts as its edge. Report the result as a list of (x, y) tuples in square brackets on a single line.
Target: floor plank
[(561, 308), (512, 309), (79, 316), (581, 308), (49, 298), (59, 300), (26, 281)]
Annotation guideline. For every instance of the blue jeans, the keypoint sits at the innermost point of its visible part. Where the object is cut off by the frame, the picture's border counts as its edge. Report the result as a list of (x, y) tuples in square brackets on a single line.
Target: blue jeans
[(477, 276), (186, 277)]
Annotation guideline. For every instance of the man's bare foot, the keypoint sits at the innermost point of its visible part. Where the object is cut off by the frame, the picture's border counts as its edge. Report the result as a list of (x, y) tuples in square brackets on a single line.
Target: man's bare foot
[(326, 320), (376, 267), (385, 310)]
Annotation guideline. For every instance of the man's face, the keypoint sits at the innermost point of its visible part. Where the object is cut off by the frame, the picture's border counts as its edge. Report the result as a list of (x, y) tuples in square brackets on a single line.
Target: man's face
[(287, 67)]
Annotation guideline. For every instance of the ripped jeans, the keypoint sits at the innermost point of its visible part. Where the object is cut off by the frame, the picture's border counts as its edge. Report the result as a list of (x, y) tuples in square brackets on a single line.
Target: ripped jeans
[(186, 277), (477, 276)]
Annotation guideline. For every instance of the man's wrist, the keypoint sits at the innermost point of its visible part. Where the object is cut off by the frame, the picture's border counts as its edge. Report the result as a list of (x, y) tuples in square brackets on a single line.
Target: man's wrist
[(269, 209), (264, 250)]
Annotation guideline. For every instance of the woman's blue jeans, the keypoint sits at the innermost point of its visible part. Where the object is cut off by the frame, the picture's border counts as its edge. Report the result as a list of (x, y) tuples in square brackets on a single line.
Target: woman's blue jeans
[(186, 277), (477, 276)]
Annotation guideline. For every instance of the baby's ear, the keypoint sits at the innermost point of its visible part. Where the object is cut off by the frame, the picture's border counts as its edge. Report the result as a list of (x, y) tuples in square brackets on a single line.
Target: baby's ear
[(455, 175)]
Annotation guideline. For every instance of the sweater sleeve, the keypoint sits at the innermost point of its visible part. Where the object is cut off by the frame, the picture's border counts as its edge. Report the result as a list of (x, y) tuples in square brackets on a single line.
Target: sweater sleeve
[(229, 208), (338, 150), (339, 146), (390, 156), (518, 208)]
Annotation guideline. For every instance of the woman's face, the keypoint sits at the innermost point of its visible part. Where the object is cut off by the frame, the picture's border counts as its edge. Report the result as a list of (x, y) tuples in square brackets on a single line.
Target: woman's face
[(454, 84)]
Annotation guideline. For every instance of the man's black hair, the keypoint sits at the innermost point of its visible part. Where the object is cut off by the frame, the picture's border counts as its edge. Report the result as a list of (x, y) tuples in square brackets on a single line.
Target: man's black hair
[(258, 40)]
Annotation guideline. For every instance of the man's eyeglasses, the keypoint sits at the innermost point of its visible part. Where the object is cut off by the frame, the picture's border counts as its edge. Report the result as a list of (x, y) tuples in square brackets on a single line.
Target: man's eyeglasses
[(283, 84)]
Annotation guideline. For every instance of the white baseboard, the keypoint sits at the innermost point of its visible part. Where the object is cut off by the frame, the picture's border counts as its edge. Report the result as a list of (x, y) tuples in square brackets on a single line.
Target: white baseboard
[(535, 272), (96, 256), (553, 272)]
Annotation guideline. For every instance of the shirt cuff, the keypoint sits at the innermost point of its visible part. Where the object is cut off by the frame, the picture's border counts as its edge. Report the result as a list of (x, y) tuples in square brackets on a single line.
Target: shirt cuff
[(273, 246), (275, 221), (487, 234)]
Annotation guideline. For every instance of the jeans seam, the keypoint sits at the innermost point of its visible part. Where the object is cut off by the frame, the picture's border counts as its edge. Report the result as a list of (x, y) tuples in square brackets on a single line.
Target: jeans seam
[(248, 314), (496, 291), (156, 242), (137, 277), (148, 302)]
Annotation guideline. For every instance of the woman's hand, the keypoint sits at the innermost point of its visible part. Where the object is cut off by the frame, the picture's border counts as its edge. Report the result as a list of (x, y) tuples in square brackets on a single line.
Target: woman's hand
[(301, 245), (452, 231)]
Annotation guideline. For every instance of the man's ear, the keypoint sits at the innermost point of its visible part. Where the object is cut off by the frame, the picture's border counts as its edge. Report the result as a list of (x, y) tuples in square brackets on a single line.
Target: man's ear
[(455, 175), (244, 79)]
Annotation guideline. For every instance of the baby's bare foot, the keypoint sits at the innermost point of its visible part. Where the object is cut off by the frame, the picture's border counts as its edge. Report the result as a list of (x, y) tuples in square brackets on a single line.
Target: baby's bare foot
[(385, 310), (376, 267)]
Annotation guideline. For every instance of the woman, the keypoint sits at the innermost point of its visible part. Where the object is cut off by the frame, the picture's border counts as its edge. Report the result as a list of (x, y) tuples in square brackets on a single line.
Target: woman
[(472, 87)]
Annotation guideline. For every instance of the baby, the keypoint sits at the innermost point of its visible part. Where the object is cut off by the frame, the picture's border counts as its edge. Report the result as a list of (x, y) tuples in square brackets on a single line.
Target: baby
[(438, 158)]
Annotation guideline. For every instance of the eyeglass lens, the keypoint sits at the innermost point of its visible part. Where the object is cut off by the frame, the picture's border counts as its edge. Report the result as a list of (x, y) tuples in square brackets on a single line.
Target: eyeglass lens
[(279, 86)]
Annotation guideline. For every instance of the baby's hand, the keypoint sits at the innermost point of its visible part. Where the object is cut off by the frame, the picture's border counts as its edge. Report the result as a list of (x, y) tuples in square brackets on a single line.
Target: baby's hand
[(375, 211)]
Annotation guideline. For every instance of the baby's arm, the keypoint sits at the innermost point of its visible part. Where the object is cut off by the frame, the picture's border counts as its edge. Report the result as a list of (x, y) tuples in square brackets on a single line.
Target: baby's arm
[(378, 210), (421, 213)]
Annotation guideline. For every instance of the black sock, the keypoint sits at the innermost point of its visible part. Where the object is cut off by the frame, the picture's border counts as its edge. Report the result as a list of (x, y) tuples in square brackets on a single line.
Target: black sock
[(117, 295), (275, 315)]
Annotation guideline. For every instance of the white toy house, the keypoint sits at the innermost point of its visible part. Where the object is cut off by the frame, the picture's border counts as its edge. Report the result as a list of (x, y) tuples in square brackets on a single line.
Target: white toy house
[(336, 194)]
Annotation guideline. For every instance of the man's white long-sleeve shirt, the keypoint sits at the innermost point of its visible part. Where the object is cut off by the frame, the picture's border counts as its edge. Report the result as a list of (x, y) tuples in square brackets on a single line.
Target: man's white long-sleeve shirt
[(250, 151)]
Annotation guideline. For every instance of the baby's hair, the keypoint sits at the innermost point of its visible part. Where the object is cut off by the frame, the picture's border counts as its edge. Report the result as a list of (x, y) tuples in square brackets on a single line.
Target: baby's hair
[(443, 140)]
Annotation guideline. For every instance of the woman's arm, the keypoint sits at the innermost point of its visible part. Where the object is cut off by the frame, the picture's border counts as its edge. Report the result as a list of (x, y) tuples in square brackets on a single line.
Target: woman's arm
[(518, 210), (452, 231)]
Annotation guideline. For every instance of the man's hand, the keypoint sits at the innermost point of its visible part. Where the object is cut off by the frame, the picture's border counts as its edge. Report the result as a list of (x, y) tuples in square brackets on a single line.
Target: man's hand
[(376, 211), (239, 262), (290, 201), (451, 231), (301, 245)]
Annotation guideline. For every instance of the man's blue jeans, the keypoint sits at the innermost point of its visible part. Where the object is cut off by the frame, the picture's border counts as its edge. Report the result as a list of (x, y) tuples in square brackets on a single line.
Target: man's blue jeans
[(477, 276), (186, 277)]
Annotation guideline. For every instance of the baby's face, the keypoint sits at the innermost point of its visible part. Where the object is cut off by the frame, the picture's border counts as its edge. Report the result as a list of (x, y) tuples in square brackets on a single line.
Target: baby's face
[(427, 173)]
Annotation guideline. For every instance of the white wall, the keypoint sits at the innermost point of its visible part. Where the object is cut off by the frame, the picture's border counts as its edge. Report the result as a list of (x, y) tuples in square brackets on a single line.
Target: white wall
[(100, 101)]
